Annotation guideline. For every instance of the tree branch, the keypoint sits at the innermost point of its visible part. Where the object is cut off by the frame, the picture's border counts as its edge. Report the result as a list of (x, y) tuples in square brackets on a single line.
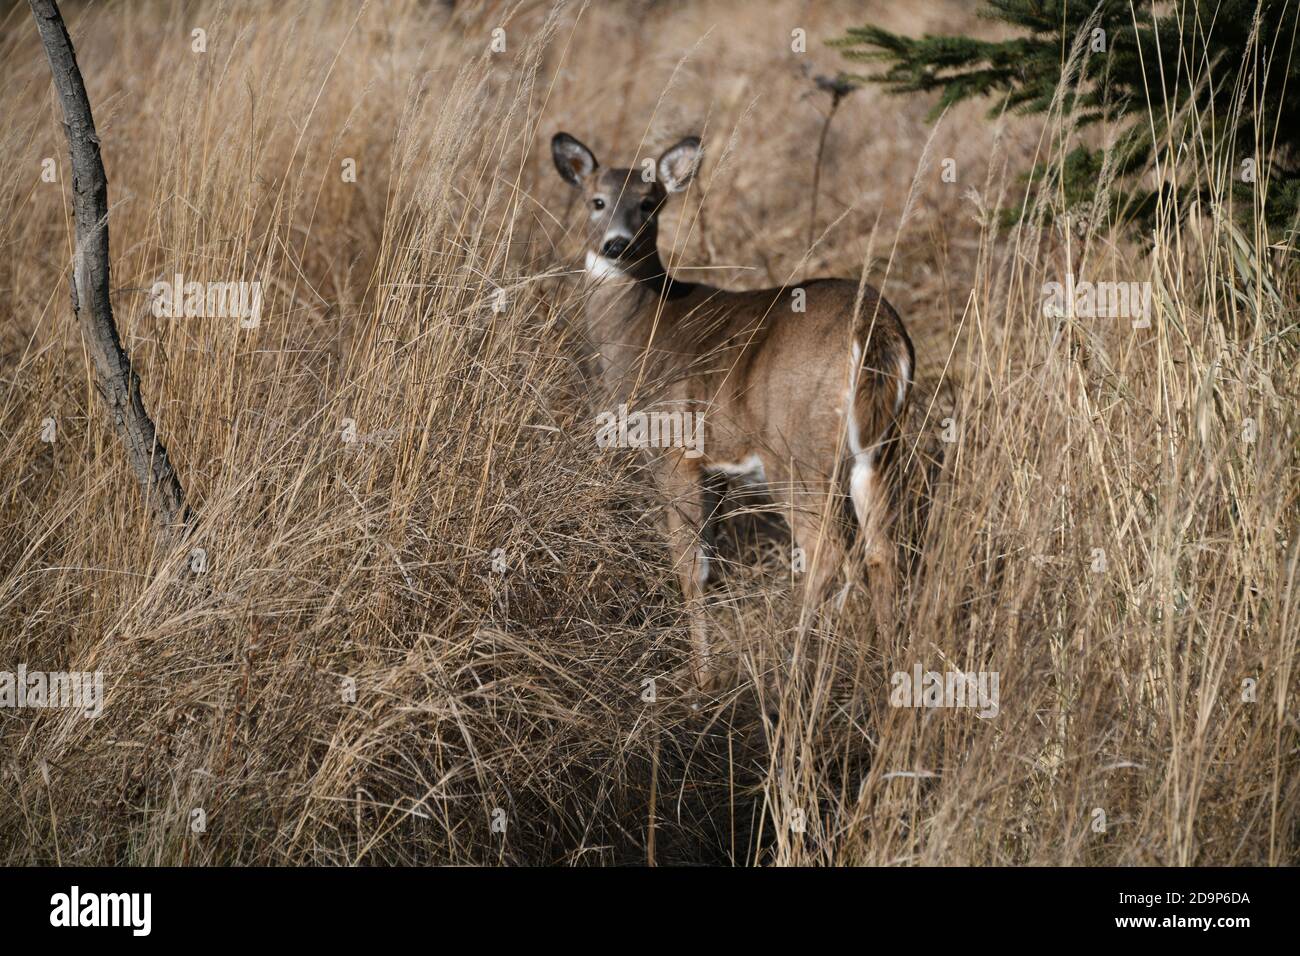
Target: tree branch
[(116, 382)]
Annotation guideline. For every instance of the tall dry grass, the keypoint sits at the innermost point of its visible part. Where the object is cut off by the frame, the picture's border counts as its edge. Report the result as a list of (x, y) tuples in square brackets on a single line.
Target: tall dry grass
[(518, 696)]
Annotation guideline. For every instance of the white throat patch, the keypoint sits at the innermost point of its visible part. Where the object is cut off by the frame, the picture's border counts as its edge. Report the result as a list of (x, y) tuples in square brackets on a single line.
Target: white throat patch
[(601, 268)]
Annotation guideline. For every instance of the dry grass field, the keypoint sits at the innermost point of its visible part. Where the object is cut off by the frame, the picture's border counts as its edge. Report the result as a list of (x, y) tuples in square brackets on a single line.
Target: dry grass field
[(420, 614)]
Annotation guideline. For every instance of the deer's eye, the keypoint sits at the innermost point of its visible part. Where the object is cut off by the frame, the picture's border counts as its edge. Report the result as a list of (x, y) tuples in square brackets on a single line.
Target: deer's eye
[(598, 203), (648, 204)]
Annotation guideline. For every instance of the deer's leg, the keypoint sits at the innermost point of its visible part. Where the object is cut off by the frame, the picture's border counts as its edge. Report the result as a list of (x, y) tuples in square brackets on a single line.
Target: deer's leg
[(817, 535), (684, 524), (812, 511), (714, 489), (870, 495)]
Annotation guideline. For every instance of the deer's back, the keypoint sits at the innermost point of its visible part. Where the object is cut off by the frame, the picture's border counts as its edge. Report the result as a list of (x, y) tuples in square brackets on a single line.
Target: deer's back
[(772, 373)]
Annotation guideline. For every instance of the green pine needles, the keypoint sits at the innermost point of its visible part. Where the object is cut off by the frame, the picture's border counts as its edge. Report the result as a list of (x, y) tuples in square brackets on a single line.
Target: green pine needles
[(1200, 99)]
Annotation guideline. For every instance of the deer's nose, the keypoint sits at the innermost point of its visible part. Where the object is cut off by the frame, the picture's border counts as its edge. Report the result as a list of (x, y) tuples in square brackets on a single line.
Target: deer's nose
[(615, 247)]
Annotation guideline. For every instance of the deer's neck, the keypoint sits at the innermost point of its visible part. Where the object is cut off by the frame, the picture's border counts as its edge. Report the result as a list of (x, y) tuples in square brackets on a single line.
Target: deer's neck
[(628, 324)]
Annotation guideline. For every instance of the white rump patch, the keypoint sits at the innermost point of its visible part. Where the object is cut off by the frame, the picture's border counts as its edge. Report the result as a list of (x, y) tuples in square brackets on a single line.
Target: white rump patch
[(860, 487), (860, 472), (856, 447), (904, 380)]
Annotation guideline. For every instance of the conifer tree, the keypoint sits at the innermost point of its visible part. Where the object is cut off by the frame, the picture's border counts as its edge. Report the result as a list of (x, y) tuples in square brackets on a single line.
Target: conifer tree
[(1213, 81)]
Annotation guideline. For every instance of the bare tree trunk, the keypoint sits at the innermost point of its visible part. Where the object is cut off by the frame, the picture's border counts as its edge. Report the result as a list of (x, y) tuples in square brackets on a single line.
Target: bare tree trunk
[(116, 382)]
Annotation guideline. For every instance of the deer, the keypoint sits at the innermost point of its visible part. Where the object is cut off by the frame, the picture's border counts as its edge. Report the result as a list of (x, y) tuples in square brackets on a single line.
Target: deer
[(801, 388)]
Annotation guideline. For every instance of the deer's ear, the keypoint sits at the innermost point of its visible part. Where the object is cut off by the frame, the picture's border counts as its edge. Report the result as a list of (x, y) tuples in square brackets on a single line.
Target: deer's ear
[(573, 161), (678, 164)]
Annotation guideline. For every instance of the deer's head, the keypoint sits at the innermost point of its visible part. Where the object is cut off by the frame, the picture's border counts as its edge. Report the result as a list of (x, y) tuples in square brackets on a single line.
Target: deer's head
[(622, 205)]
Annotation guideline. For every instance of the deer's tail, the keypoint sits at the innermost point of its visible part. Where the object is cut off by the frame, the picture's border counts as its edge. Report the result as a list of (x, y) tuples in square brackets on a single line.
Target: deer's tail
[(880, 381)]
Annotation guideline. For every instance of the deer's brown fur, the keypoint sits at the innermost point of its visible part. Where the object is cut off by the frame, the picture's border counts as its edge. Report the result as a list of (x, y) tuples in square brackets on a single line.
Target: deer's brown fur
[(812, 397)]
